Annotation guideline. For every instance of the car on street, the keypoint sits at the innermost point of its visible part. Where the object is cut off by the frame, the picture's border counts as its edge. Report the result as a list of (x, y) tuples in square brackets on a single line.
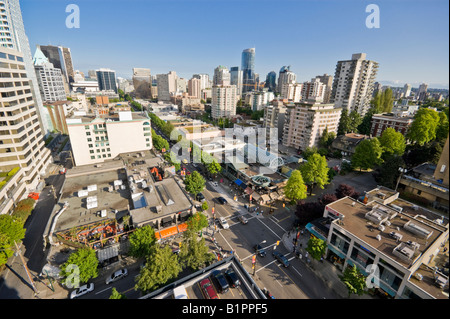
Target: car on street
[(222, 200), (220, 280), (223, 222), (259, 250), (214, 184), (119, 274), (207, 289), (281, 258), (184, 161), (242, 219), (232, 277), (82, 291), (200, 197)]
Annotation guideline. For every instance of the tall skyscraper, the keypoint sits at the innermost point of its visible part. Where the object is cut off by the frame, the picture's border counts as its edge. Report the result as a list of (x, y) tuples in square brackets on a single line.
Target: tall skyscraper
[(271, 81), (23, 154), (13, 36), (221, 76), (354, 83), (50, 79), (313, 90), (248, 70), (142, 82), (61, 58), (236, 79), (328, 81), (286, 76), (167, 85), (422, 92), (407, 90), (223, 101), (194, 88), (106, 80)]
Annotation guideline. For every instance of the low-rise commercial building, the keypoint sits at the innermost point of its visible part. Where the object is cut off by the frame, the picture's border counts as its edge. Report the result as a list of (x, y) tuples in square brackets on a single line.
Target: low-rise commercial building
[(95, 139), (401, 241)]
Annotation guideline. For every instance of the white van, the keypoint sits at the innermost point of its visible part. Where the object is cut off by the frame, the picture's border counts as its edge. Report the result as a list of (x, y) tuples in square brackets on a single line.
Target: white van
[(180, 293)]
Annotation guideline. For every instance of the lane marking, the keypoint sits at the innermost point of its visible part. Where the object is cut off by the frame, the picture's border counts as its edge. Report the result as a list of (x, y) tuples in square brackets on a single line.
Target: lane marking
[(269, 228), (99, 292)]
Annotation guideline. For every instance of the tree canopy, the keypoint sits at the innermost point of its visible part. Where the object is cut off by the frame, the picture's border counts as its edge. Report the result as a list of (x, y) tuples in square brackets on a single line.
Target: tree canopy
[(86, 262), (295, 188), (367, 154), (316, 247), (315, 171), (142, 242), (354, 280), (195, 183), (423, 129), (392, 142)]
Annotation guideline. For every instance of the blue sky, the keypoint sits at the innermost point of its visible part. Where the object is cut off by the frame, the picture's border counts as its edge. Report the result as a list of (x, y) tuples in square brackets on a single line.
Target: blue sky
[(195, 36)]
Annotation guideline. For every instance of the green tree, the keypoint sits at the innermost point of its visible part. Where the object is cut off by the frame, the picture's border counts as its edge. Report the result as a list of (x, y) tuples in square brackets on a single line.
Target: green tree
[(11, 230), (142, 242), (366, 124), (354, 121), (197, 222), (392, 142), (326, 138), (389, 171), (205, 206), (162, 265), (195, 183), (442, 128), (367, 154), (213, 167), (423, 129), (315, 171), (316, 247), (354, 280), (194, 253), (344, 123), (295, 188), (86, 261), (309, 151), (116, 295)]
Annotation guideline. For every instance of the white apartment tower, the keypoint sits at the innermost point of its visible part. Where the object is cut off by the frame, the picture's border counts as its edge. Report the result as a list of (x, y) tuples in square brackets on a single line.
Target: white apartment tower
[(407, 90), (313, 90), (23, 155), (285, 77), (306, 121), (354, 83), (221, 76), (223, 101), (12, 35)]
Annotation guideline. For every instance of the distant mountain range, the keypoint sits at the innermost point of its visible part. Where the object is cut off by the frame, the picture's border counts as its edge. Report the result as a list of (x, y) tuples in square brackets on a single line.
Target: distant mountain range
[(438, 86)]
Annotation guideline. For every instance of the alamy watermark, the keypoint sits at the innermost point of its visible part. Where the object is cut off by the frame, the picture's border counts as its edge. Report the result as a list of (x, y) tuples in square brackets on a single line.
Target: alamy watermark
[(73, 19), (373, 19)]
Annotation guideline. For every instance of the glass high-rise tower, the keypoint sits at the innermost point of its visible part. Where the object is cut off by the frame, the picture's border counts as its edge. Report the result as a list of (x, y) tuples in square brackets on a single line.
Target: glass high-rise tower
[(248, 70)]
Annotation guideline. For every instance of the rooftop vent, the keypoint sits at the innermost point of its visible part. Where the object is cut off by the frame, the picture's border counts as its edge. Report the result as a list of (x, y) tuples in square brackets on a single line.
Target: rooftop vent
[(417, 230)]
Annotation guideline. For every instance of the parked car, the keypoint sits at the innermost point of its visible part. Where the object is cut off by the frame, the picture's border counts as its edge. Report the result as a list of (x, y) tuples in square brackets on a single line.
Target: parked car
[(242, 219), (200, 197), (281, 258), (208, 289), (119, 274), (82, 291), (214, 184), (224, 223), (232, 277), (259, 250), (222, 284), (222, 200)]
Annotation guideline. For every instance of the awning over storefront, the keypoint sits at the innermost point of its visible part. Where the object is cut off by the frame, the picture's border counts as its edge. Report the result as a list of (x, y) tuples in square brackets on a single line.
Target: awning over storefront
[(182, 227), (238, 182), (171, 231)]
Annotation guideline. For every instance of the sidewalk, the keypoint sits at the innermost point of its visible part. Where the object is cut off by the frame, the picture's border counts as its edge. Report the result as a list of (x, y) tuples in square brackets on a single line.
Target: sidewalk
[(324, 270)]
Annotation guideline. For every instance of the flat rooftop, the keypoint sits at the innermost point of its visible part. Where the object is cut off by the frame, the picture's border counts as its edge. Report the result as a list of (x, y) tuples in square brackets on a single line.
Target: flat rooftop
[(356, 223)]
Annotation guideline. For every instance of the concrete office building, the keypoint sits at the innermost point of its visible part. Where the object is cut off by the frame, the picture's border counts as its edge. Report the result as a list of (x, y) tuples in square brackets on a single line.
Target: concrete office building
[(223, 101), (274, 117), (106, 80), (407, 90), (61, 58), (353, 83), (13, 36), (50, 79), (306, 121), (142, 83), (23, 156), (95, 139), (167, 85)]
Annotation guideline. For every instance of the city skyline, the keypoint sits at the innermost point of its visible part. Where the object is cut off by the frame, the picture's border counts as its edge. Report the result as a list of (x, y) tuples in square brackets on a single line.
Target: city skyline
[(411, 44)]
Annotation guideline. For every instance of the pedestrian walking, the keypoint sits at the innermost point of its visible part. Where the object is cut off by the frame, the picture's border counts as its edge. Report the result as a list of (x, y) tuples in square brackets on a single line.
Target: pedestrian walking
[(321, 259)]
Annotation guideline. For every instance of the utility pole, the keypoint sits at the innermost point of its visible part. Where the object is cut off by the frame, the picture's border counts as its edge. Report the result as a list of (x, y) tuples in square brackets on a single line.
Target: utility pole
[(26, 269)]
